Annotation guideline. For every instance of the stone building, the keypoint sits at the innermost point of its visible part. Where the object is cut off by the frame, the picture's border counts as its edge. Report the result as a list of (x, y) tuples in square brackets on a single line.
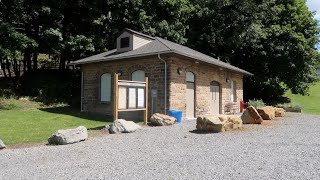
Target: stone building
[(182, 78)]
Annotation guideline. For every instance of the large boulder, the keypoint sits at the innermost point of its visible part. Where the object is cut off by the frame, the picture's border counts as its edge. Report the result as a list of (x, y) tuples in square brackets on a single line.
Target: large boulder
[(69, 136), (209, 123), (251, 116), (2, 145), (158, 119), (279, 112), (123, 126), (267, 112), (218, 123), (230, 122)]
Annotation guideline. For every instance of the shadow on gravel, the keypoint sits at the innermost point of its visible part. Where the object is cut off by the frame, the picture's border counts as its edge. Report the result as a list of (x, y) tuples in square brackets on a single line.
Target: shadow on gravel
[(202, 132)]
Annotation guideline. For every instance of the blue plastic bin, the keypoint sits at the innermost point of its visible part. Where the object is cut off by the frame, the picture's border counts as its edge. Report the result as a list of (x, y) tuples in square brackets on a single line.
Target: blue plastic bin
[(177, 114)]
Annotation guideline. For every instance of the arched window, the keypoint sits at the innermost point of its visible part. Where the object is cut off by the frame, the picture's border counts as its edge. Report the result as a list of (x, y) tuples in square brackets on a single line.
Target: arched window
[(138, 75), (105, 87), (190, 77), (214, 83)]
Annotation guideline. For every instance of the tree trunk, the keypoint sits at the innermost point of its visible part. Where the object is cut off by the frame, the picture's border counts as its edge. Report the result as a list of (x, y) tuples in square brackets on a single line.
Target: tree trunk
[(8, 68), (62, 63), (16, 67), (35, 60), (3, 67), (24, 64), (27, 60)]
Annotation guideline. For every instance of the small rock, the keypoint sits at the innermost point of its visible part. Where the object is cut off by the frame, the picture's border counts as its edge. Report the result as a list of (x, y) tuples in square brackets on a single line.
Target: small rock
[(2, 145), (251, 116), (158, 119), (69, 136), (123, 126)]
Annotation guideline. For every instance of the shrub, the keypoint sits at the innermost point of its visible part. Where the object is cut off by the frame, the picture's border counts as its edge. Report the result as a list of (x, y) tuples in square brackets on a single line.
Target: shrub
[(7, 104), (52, 86), (256, 103), (289, 105)]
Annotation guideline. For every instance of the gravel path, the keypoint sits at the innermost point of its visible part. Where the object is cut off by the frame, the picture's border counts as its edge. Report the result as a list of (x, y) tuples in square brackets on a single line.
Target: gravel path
[(285, 149)]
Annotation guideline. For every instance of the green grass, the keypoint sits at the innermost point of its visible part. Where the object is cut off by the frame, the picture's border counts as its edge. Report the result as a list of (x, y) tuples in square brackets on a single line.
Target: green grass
[(310, 104), (24, 121)]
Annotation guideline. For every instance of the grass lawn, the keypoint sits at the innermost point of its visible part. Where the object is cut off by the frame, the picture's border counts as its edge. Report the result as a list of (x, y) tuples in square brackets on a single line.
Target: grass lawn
[(310, 104), (24, 121)]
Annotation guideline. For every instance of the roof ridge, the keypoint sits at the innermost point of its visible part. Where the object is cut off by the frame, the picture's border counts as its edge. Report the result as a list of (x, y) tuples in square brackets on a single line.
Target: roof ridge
[(160, 39)]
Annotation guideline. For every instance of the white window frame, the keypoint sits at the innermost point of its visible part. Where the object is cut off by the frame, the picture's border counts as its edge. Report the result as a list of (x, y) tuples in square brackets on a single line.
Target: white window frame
[(138, 75), (105, 87), (190, 77)]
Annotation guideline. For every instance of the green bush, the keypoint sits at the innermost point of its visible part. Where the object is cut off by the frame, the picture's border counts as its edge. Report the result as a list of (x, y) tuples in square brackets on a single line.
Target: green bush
[(8, 88), (7, 104), (289, 105), (256, 103), (52, 86)]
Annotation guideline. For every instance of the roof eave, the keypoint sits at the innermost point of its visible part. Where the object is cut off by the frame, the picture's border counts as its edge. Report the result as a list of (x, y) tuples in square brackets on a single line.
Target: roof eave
[(155, 53), (240, 71), (118, 58)]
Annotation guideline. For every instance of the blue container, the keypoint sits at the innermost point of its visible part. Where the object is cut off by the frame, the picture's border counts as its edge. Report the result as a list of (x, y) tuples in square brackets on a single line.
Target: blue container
[(176, 114)]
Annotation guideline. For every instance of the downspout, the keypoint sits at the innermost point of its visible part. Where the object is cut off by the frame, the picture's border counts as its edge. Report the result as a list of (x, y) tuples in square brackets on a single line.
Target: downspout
[(165, 83), (81, 91)]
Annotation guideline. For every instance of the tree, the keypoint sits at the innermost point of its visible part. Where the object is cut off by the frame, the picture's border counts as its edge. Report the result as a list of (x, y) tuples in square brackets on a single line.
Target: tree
[(275, 40)]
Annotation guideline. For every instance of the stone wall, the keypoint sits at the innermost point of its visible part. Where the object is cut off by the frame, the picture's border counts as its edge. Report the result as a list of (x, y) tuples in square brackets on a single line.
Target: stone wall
[(204, 75), (154, 70), (176, 86)]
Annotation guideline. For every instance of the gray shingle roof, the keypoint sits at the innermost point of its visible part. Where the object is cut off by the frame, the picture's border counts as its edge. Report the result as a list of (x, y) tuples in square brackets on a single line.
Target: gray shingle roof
[(185, 51), (157, 46)]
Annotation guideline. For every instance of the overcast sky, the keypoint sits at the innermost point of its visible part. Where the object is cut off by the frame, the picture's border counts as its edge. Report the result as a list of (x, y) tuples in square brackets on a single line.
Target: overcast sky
[(314, 5)]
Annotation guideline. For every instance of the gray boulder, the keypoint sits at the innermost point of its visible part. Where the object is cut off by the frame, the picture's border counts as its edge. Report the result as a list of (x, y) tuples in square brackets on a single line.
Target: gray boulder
[(2, 145), (123, 126), (158, 119), (69, 136)]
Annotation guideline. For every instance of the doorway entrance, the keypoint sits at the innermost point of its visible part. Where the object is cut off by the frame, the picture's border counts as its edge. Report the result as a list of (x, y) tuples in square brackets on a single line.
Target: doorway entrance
[(190, 95), (214, 97)]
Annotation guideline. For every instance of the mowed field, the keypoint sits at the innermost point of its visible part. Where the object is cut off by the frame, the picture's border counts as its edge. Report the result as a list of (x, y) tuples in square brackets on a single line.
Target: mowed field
[(24, 121), (310, 103)]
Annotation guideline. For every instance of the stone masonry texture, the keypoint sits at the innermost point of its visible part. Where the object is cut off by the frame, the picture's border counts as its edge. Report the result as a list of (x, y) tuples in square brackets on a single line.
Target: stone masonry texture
[(176, 84)]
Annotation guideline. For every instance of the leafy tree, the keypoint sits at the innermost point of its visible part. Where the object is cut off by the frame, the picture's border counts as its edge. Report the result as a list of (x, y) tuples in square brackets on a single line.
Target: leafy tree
[(275, 40)]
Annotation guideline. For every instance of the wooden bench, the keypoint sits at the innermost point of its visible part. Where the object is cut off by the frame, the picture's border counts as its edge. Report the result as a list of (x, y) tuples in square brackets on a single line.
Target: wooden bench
[(231, 108)]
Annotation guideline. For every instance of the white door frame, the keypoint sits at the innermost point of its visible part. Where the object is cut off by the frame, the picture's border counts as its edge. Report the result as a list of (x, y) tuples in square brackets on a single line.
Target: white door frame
[(190, 78), (215, 84)]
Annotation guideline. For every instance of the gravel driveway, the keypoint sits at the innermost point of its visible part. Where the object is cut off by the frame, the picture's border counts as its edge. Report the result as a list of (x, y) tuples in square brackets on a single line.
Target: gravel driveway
[(285, 149)]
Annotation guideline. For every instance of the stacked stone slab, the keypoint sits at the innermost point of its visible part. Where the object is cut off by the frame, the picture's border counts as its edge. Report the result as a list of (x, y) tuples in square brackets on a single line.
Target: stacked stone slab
[(256, 116), (251, 116), (219, 123), (158, 119), (267, 112), (69, 136)]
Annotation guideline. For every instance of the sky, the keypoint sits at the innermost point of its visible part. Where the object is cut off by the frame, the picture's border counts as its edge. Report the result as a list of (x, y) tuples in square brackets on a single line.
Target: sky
[(314, 5)]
